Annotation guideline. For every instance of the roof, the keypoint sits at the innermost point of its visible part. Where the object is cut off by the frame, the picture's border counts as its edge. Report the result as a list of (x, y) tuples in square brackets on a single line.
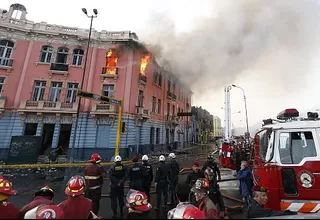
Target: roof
[(295, 124)]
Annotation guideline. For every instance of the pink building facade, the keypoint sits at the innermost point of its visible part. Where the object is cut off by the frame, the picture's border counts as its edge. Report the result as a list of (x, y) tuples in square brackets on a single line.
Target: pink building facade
[(41, 66)]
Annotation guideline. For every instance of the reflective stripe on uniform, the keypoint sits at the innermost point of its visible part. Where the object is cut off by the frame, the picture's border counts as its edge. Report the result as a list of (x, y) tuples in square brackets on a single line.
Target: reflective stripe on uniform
[(300, 206), (92, 177), (229, 154), (94, 187)]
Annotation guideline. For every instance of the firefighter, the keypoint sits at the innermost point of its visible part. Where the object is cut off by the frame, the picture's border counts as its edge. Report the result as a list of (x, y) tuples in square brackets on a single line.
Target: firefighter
[(42, 197), (204, 203), (149, 177), (162, 180), (260, 198), (192, 178), (49, 212), (213, 165), (7, 209), (138, 205), (174, 165), (190, 212), (214, 190), (76, 206), (136, 175), (94, 174), (117, 175)]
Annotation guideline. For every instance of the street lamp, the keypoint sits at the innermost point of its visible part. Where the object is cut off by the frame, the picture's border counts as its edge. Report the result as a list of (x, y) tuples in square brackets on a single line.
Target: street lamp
[(95, 11), (245, 106)]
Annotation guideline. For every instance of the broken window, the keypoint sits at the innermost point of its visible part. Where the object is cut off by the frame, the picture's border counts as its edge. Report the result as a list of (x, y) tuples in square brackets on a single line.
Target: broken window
[(111, 62), (62, 55)]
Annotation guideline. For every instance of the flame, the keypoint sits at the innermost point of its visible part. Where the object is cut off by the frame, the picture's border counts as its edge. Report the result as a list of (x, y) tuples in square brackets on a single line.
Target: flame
[(112, 61), (144, 63)]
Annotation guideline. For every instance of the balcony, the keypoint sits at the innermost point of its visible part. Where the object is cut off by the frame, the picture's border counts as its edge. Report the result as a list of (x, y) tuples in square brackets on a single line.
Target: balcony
[(174, 97), (6, 63), (109, 72), (59, 68), (169, 94), (142, 112), (142, 79), (47, 107), (103, 109), (173, 119)]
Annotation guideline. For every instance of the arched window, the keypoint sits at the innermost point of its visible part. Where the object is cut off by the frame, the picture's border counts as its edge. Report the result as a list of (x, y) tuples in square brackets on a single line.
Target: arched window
[(6, 48), (62, 55), (46, 54), (77, 57)]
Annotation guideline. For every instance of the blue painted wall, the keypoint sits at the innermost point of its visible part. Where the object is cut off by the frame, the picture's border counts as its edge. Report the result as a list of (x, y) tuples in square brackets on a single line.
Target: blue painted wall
[(94, 135)]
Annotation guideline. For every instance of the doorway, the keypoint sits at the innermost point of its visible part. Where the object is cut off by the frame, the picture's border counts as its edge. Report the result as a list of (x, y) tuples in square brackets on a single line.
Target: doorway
[(151, 136), (30, 129), (64, 139), (47, 137)]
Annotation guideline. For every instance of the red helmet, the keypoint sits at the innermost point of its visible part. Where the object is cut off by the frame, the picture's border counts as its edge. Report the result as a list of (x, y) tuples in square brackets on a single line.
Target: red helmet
[(75, 186), (6, 187), (95, 158), (137, 200), (49, 212), (192, 212)]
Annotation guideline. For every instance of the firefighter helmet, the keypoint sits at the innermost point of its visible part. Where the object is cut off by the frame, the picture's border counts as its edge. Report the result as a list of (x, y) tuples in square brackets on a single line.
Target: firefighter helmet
[(6, 188), (208, 172), (117, 159), (95, 158), (145, 158), (192, 212), (162, 158), (172, 155), (49, 212), (137, 200), (45, 191), (75, 186), (201, 184)]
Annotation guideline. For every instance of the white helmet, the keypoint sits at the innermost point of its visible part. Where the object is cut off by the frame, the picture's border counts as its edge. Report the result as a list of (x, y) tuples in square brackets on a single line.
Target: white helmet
[(117, 159), (162, 158), (145, 158), (172, 155)]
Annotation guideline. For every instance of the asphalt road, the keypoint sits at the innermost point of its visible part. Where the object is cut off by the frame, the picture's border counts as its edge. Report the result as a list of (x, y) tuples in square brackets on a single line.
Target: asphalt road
[(28, 182)]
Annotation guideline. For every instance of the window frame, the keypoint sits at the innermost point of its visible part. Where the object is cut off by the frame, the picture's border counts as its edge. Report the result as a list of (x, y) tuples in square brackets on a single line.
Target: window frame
[(62, 51), (46, 54), (2, 84), (153, 104), (41, 89), (77, 58), (73, 91), (6, 50), (55, 91)]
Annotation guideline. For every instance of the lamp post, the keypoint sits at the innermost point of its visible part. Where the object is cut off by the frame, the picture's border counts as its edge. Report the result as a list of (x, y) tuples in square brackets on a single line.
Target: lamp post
[(95, 11), (246, 110)]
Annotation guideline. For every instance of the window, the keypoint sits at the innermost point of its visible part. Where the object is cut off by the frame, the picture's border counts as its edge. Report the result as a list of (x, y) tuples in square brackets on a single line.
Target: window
[(153, 107), (155, 78), (169, 85), (38, 90), (179, 95), (179, 109), (46, 54), (1, 84), (108, 90), (71, 92), (160, 80), (295, 146), (168, 108), (62, 55), (174, 89), (55, 91), (6, 48), (77, 57), (173, 109), (158, 136), (140, 98), (159, 106)]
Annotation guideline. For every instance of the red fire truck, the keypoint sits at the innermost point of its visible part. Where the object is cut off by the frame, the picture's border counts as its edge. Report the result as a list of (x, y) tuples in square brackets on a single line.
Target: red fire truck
[(285, 160)]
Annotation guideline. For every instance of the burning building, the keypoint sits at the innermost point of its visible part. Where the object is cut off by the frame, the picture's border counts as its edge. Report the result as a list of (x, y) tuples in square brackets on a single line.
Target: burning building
[(111, 62)]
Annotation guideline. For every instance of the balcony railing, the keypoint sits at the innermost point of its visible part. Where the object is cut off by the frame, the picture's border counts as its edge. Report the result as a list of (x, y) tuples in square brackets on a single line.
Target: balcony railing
[(6, 62), (109, 71), (103, 109), (61, 67), (143, 79), (47, 106), (173, 119)]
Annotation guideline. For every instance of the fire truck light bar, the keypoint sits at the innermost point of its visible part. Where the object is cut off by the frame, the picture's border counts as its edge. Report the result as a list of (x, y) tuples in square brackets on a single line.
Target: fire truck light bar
[(288, 113)]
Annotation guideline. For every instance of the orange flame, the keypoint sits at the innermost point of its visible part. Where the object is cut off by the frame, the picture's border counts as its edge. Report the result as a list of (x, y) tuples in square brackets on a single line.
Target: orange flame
[(112, 61), (144, 63)]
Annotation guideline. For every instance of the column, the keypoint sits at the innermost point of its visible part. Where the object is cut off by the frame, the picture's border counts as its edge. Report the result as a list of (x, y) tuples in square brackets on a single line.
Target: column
[(39, 129), (90, 78), (128, 82), (56, 135)]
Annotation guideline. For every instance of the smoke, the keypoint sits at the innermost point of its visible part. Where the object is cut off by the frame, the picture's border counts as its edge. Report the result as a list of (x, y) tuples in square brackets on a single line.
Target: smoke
[(273, 41)]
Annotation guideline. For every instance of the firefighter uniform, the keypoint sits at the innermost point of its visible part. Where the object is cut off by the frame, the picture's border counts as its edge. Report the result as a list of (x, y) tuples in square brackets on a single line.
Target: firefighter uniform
[(174, 165), (7, 210), (192, 178), (163, 178), (149, 177), (117, 175), (42, 197), (76, 206), (136, 175), (93, 175), (213, 165)]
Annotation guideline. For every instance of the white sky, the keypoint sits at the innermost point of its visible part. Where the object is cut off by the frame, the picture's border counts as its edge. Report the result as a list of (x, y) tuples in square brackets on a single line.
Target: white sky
[(133, 15)]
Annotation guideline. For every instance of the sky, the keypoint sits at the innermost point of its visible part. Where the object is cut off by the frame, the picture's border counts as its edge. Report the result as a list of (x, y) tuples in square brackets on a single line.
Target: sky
[(277, 63)]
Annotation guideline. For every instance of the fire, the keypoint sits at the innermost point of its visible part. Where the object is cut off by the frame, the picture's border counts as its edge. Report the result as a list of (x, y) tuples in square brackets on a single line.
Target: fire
[(112, 61), (144, 63)]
